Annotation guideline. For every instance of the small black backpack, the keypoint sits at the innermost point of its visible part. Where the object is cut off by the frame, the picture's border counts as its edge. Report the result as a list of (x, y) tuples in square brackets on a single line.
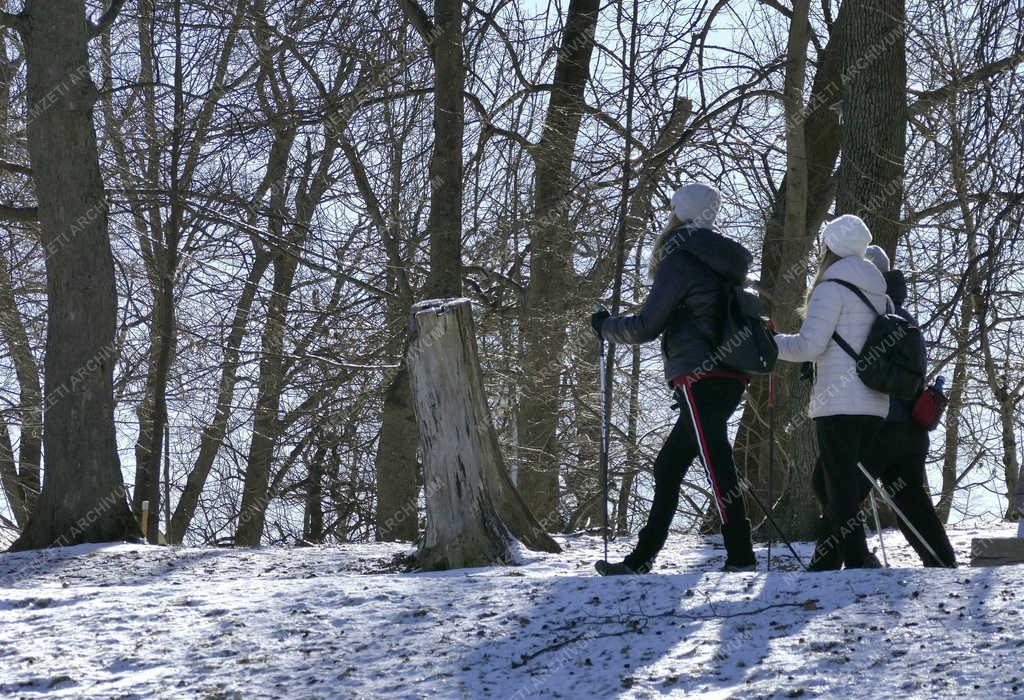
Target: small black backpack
[(890, 359), (746, 344)]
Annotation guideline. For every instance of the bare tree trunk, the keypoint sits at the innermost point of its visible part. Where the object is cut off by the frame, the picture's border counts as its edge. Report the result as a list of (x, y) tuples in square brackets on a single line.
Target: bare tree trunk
[(9, 479), (951, 453), (544, 315), (30, 402), (313, 518), (213, 434), (267, 426), (444, 223), (784, 274), (874, 122), (632, 447), (83, 497), (582, 480), (794, 228), (998, 384), (395, 463), (473, 510), (23, 480)]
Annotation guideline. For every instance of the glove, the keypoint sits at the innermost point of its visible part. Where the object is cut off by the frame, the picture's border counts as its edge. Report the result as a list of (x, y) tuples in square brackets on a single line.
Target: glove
[(597, 319)]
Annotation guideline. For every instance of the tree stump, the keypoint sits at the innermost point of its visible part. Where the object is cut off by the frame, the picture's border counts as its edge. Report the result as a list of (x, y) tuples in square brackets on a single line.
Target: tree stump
[(475, 515)]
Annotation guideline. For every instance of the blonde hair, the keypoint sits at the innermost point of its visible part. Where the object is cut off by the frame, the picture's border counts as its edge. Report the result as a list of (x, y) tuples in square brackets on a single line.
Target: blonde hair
[(827, 258), (659, 253)]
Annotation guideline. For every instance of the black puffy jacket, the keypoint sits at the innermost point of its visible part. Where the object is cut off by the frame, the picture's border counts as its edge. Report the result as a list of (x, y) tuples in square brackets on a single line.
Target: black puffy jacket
[(687, 302)]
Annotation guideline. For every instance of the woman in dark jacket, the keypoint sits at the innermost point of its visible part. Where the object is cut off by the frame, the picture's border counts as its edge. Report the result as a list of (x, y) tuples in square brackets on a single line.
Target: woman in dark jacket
[(692, 266)]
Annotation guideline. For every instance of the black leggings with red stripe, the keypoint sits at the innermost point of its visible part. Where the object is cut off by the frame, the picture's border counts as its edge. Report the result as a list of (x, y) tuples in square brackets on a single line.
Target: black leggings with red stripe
[(701, 430)]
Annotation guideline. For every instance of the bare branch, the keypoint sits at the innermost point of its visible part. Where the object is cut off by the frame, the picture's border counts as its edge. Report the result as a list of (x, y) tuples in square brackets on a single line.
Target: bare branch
[(12, 20), (419, 20), (106, 19), (928, 99), (19, 214)]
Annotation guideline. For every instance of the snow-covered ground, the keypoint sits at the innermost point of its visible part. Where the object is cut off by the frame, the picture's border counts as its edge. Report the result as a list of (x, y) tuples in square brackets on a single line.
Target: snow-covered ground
[(131, 621)]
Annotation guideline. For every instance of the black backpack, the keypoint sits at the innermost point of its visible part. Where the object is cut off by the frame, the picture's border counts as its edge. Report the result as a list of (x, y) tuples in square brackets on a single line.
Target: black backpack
[(890, 360), (746, 345)]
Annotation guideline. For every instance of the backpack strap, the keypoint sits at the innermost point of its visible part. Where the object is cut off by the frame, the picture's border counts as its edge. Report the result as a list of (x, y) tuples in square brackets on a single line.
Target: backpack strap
[(847, 348)]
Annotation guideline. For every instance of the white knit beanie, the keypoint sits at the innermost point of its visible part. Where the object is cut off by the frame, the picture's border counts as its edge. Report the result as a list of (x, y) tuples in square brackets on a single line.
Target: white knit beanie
[(847, 235), (697, 204), (878, 256)]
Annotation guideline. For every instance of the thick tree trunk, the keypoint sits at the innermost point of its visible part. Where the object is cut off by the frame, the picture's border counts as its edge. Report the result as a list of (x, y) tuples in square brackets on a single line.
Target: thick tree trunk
[(951, 452), (474, 512), (83, 497), (395, 462), (395, 465), (544, 314), (874, 122), (444, 223)]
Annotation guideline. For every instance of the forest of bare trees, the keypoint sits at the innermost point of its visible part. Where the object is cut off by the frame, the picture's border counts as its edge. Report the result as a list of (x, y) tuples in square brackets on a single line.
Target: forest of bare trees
[(217, 216)]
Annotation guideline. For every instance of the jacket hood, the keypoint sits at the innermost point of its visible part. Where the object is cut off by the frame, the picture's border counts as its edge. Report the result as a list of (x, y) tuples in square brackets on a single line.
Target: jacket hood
[(856, 270), (723, 255), (896, 286)]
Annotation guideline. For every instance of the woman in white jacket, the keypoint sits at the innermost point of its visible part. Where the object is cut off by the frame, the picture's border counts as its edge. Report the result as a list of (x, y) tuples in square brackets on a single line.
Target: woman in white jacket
[(846, 413)]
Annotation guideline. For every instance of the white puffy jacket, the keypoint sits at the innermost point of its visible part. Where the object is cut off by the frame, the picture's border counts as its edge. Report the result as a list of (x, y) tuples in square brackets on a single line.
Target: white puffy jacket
[(834, 308)]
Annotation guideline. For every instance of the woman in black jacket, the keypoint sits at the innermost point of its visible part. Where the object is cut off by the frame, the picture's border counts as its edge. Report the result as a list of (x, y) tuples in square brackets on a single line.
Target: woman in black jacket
[(692, 266)]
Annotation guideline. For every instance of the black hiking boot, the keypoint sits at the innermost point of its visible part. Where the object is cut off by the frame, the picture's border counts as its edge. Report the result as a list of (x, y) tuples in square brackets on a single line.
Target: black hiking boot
[(606, 568), (827, 556), (732, 568), (738, 547)]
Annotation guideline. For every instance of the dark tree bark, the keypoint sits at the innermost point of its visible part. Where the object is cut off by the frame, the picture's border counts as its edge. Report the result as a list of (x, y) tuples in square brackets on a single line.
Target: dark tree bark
[(444, 223), (543, 317), (83, 497), (874, 121), (313, 516)]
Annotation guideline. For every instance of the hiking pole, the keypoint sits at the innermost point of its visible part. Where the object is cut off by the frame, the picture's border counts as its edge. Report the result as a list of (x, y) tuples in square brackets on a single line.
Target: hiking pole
[(771, 455), (604, 438), (889, 502), (878, 528), (772, 522)]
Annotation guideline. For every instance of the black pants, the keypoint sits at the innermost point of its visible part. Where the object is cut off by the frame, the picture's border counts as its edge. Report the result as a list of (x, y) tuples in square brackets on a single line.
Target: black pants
[(701, 430), (897, 457), (842, 442)]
